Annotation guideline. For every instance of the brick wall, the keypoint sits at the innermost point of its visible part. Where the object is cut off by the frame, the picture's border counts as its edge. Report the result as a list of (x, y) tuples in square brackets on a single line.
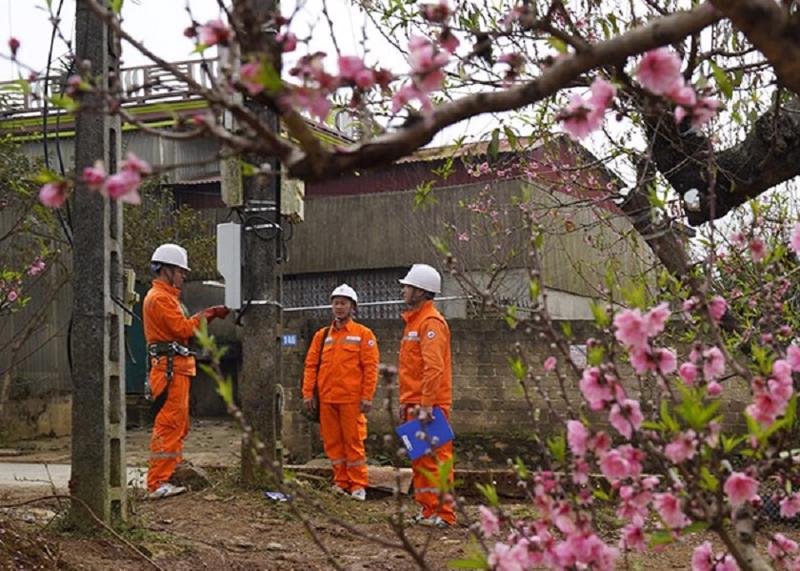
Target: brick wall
[(487, 398), (488, 404)]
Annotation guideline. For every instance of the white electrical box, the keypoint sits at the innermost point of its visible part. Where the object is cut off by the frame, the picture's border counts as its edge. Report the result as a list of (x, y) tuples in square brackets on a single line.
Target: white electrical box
[(229, 262)]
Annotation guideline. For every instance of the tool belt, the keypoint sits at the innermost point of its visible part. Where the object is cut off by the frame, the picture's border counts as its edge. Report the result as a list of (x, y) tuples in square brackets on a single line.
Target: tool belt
[(167, 349)]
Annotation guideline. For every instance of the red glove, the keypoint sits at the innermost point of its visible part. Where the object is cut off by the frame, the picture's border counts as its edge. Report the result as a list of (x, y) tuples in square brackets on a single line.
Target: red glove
[(215, 312)]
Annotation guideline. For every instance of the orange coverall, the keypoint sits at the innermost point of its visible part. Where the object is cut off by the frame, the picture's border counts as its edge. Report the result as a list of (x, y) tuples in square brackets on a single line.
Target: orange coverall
[(348, 374), (164, 321), (426, 379)]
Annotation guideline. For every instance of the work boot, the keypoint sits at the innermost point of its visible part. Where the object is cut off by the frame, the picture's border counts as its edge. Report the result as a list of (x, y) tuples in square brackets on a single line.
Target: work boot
[(359, 494), (165, 491), (430, 521)]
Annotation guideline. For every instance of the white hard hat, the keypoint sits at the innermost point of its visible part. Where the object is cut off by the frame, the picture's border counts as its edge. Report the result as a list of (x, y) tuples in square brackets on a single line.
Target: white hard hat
[(345, 290), (171, 254), (423, 277)]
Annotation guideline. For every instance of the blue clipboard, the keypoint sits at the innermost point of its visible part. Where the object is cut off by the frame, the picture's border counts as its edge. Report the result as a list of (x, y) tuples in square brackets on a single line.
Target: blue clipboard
[(438, 429)]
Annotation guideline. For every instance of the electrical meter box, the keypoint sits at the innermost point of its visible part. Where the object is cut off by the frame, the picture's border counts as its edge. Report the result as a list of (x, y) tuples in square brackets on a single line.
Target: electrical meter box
[(229, 262)]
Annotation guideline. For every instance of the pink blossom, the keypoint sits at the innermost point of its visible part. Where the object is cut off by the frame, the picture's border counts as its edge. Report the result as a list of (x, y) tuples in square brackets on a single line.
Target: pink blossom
[(349, 66), (758, 250), (626, 418), (580, 472), (577, 437), (436, 13), (251, 77), (782, 369), (679, 114), (793, 356), (314, 101), (641, 361), (595, 389), (703, 557), (365, 79), (766, 408), (631, 328), (714, 389), (669, 508), (682, 447), (95, 176), (603, 93), (490, 524), (634, 505), (690, 304), (579, 118), (287, 41), (12, 296), (666, 361), (37, 267), (794, 240), (600, 442), (123, 186), (688, 372), (780, 548), (717, 307), (214, 32), (405, 95), (740, 488), (633, 538), (659, 70), (615, 466), (53, 194), (504, 557), (449, 41), (713, 363), (704, 111), (790, 505), (426, 62), (656, 319), (13, 45), (682, 94), (135, 164), (550, 363)]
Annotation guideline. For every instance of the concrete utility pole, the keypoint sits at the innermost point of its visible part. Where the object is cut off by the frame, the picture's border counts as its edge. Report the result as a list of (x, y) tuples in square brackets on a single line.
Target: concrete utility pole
[(98, 357), (261, 340)]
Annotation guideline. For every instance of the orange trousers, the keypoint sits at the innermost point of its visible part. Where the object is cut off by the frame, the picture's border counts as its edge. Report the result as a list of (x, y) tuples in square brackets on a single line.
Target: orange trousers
[(343, 428), (169, 430), (426, 490)]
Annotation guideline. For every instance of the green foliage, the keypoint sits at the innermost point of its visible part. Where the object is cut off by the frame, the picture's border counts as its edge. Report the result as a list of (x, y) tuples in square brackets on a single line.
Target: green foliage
[(557, 445), (157, 221), (490, 493), (423, 196), (518, 367)]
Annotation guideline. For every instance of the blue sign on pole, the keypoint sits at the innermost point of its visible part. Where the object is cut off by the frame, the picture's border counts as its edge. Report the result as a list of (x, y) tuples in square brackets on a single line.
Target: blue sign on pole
[(289, 339)]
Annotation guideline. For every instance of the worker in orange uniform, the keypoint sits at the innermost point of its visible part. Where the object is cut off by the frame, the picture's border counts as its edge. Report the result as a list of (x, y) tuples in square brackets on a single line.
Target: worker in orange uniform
[(342, 364), (426, 381), (167, 331)]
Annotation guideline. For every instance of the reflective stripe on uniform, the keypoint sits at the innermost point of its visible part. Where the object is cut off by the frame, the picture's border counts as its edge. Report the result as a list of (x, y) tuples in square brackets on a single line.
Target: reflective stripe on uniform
[(338, 461), (426, 490), (357, 463), (165, 454)]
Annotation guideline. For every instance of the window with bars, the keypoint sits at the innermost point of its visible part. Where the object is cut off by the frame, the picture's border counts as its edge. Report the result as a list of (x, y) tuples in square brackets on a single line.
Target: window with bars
[(310, 290)]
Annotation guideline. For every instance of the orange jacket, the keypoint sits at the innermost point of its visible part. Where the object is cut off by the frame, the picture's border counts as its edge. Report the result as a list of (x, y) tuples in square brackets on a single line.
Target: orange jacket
[(164, 321), (348, 372), (426, 376)]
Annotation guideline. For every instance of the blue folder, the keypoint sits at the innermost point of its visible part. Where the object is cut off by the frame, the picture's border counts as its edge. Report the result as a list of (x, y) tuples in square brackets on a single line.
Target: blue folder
[(435, 433)]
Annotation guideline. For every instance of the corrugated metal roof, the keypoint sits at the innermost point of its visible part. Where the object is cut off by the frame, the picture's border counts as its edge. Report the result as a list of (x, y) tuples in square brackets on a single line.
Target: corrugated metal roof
[(477, 148)]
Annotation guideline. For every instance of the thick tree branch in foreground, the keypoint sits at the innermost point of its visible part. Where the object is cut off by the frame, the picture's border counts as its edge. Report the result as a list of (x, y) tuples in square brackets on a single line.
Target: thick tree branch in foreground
[(773, 30), (390, 147), (768, 156)]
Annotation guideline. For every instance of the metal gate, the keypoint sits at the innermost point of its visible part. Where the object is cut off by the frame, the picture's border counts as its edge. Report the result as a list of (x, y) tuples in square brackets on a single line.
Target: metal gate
[(309, 290)]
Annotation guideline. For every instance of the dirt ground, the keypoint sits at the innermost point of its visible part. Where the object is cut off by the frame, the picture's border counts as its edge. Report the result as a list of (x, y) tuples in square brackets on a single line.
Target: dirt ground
[(225, 527)]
